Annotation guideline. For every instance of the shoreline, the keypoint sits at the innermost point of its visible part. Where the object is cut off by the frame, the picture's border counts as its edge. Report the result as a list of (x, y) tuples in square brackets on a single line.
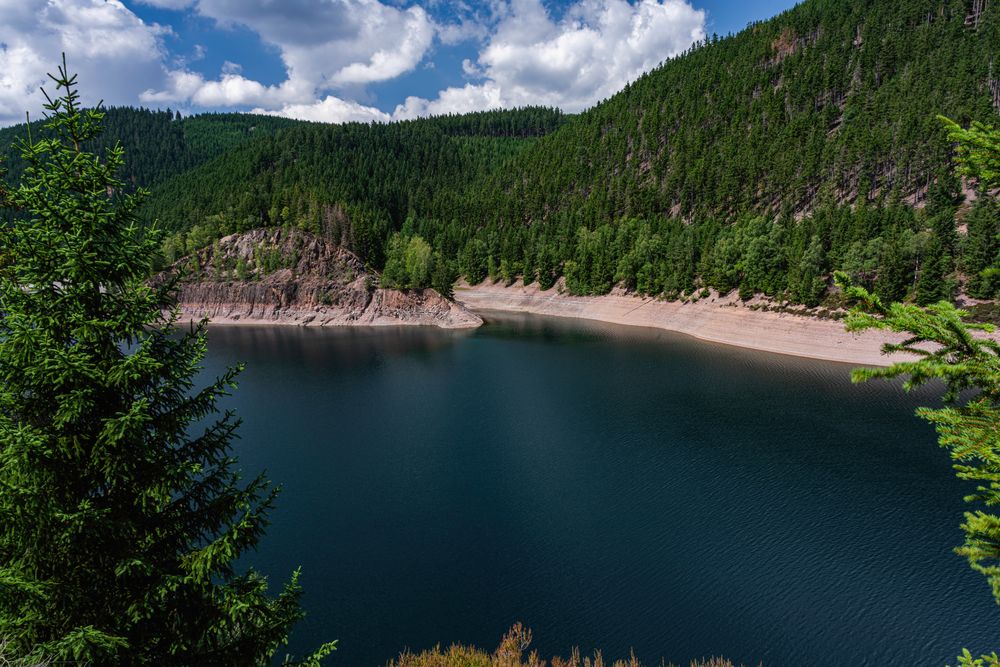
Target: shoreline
[(308, 321), (716, 319), (288, 304)]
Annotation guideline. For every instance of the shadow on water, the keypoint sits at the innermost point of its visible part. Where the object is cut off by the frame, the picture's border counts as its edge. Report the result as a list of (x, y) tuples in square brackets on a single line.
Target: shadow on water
[(612, 487), (333, 347)]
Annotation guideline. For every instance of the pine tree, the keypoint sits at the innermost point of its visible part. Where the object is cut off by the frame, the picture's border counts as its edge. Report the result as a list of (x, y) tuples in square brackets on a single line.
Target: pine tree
[(444, 276), (981, 247), (932, 285), (946, 349), (978, 151), (121, 520), (812, 283), (894, 275)]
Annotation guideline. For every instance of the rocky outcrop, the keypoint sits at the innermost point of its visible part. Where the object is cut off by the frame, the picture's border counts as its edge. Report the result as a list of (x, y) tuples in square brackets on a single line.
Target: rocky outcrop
[(279, 276)]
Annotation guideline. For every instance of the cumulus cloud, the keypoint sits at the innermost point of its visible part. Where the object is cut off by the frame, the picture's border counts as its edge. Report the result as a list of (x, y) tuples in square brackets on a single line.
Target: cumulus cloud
[(464, 30), (334, 41), (332, 50), (330, 110), (455, 100), (593, 50), (99, 37), (230, 90)]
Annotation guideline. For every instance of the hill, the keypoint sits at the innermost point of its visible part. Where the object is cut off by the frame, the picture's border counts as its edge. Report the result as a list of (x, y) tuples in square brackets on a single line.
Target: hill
[(761, 162), (159, 144), (764, 160), (354, 183), (833, 99)]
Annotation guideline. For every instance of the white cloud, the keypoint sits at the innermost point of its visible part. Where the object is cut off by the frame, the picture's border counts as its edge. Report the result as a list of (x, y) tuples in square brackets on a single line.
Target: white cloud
[(325, 45), (180, 85), (330, 110), (470, 68), (454, 100), (464, 30), (230, 90), (589, 54), (408, 39), (333, 49), (98, 37)]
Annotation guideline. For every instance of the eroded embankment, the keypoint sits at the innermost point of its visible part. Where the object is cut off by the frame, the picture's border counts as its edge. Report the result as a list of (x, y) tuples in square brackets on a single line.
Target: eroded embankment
[(278, 276)]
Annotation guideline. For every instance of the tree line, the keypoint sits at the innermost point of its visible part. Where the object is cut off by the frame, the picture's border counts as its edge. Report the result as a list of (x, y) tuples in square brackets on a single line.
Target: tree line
[(760, 162)]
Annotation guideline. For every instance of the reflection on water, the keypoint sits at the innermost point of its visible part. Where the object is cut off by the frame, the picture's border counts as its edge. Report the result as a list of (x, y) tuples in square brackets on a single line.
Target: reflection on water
[(609, 486), (332, 346)]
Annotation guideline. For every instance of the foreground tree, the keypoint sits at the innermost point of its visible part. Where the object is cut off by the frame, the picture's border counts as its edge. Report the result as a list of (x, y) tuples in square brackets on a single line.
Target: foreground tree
[(944, 347), (978, 149), (120, 522)]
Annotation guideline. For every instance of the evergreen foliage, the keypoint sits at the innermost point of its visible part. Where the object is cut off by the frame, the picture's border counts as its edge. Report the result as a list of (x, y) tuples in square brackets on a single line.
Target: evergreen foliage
[(721, 168), (946, 349), (355, 183), (832, 98), (978, 150), (121, 519), (981, 248), (161, 144)]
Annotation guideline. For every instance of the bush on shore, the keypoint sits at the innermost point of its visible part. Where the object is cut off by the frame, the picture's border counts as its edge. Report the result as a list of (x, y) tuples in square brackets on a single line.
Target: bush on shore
[(511, 653)]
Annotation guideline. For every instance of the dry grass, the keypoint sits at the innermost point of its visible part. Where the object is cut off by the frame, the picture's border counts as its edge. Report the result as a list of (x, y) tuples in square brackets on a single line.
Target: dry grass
[(512, 653)]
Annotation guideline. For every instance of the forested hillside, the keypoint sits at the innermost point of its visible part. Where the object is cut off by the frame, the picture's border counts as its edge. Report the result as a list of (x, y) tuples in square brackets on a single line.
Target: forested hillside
[(835, 99), (765, 160), (356, 183), (159, 144), (761, 162)]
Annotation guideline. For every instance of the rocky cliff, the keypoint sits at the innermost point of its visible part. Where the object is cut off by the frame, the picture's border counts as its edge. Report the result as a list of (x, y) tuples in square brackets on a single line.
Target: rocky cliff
[(280, 276)]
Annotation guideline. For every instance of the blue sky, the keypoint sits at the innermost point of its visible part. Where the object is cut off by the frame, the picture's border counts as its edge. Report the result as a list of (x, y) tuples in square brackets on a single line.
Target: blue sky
[(340, 60)]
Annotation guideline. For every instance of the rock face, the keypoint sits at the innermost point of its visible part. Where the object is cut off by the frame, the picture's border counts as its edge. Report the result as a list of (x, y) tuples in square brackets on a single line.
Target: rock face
[(279, 276)]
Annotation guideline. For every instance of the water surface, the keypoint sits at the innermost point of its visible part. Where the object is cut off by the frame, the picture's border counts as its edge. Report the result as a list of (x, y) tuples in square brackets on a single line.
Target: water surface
[(610, 487)]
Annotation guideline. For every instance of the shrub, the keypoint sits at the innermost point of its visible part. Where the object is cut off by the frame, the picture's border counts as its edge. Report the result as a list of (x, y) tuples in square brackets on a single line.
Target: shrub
[(511, 653)]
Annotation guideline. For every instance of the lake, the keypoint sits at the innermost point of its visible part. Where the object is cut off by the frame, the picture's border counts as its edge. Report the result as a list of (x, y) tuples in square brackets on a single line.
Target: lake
[(610, 487)]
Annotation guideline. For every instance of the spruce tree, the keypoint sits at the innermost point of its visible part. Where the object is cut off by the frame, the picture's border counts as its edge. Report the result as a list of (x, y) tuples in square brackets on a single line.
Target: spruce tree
[(121, 518), (444, 276), (932, 285), (812, 283), (894, 274), (947, 349)]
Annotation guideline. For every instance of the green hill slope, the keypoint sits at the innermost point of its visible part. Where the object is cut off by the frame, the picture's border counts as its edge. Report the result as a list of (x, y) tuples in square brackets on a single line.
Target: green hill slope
[(821, 120), (158, 144), (762, 161), (834, 98), (356, 183)]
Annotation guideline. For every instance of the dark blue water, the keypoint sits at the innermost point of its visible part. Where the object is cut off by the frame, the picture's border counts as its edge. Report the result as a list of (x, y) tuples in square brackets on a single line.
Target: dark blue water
[(610, 487)]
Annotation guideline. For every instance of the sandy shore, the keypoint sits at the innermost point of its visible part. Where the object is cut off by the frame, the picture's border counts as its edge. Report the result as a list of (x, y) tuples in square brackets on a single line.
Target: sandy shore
[(716, 319)]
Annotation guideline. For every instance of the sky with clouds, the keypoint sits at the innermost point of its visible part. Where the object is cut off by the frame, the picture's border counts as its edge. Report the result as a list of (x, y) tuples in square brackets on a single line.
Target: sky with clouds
[(350, 60)]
